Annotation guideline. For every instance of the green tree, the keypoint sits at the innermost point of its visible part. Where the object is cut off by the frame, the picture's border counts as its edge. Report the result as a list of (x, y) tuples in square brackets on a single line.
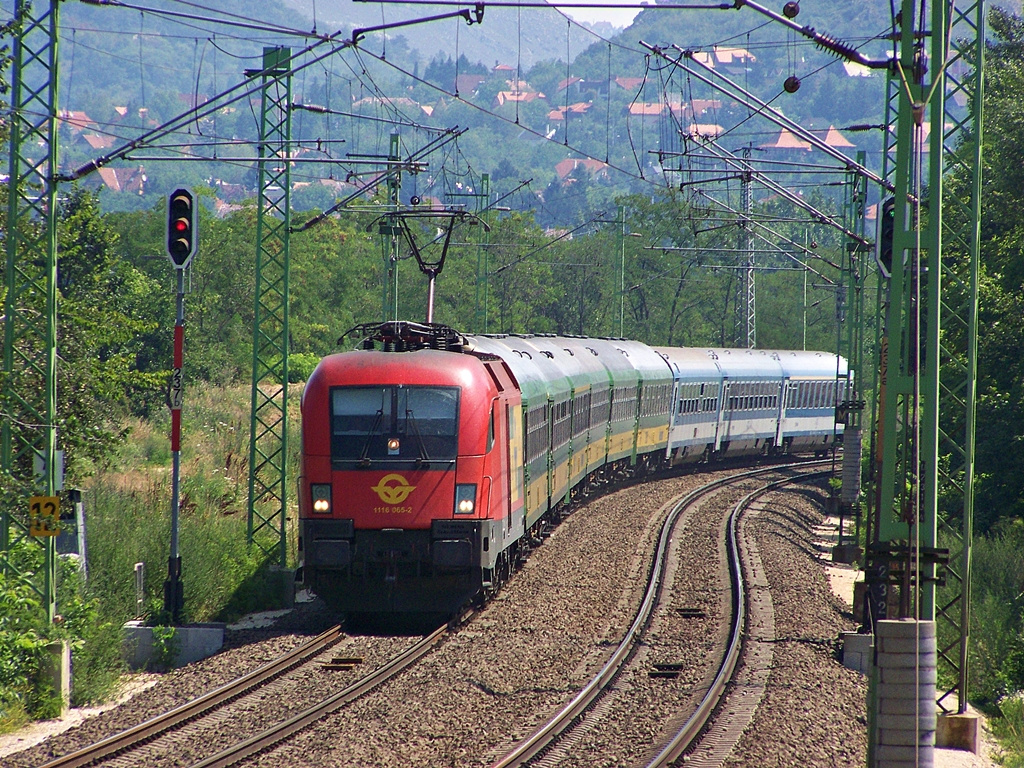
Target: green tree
[(1000, 490), (105, 307)]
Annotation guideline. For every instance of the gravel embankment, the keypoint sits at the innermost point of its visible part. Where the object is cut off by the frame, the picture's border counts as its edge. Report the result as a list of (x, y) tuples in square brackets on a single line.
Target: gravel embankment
[(813, 711), (520, 659), (529, 651)]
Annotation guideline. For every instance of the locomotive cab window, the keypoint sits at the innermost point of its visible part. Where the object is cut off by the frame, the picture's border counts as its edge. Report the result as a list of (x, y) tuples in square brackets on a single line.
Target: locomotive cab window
[(394, 424)]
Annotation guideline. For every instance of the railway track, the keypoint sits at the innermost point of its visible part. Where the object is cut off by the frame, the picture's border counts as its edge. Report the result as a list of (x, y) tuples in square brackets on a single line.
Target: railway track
[(129, 748), (540, 743), (491, 697), (129, 739), (362, 686)]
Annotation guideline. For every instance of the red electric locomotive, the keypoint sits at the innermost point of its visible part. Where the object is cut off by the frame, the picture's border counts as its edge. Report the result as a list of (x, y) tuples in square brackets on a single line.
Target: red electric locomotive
[(404, 460)]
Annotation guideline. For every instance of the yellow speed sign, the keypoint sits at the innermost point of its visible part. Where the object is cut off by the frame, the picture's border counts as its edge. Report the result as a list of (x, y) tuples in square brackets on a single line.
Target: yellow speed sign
[(43, 516)]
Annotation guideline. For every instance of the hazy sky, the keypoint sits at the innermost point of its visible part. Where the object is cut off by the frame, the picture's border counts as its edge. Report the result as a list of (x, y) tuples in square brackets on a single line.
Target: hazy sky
[(620, 17)]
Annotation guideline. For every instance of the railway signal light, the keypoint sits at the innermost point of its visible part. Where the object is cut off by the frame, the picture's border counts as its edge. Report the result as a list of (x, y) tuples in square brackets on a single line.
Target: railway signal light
[(182, 232)]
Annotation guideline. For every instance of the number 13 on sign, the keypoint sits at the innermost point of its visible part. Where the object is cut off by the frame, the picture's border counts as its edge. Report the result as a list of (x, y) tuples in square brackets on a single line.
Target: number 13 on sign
[(44, 515)]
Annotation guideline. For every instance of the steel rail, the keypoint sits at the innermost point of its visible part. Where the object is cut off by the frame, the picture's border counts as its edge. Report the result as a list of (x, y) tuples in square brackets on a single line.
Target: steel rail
[(692, 728), (145, 731), (293, 725), (544, 737)]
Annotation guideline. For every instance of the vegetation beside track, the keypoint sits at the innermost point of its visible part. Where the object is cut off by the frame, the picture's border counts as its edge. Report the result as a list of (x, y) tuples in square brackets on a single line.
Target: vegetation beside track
[(128, 521)]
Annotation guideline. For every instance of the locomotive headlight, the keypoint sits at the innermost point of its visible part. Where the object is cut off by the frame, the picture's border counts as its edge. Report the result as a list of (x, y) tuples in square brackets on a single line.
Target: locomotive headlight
[(465, 499), (393, 446), (321, 496)]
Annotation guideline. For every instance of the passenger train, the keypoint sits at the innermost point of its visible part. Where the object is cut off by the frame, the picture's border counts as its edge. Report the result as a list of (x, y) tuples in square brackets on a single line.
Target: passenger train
[(432, 460)]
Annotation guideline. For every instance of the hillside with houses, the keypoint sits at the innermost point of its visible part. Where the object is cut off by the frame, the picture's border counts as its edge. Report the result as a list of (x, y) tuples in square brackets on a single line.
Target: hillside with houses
[(556, 137)]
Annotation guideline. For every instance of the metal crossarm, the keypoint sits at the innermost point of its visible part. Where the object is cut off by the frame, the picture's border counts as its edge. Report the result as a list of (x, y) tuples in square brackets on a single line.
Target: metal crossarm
[(268, 447)]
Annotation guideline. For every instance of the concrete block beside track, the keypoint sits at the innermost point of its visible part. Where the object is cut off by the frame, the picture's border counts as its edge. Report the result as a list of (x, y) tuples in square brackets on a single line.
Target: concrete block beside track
[(858, 650), (189, 643)]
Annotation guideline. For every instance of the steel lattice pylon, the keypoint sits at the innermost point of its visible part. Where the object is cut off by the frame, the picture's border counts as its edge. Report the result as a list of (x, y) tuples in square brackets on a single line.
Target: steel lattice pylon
[(28, 431), (927, 398), (268, 446), (961, 233)]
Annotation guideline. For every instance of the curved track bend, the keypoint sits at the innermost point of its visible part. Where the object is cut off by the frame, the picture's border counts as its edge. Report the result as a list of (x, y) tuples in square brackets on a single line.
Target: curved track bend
[(532, 749)]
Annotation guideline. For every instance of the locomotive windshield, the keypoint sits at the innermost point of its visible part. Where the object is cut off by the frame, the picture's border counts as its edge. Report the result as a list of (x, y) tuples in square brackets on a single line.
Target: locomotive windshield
[(374, 425)]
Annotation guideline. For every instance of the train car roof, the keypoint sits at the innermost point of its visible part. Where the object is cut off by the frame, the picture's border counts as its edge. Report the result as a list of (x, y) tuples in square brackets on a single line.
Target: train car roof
[(581, 369), (618, 369), (804, 364), (747, 363), (531, 373), (691, 363), (554, 363), (650, 365)]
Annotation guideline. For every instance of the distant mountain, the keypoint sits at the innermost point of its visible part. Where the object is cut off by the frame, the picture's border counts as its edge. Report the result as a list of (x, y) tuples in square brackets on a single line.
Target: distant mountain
[(519, 37)]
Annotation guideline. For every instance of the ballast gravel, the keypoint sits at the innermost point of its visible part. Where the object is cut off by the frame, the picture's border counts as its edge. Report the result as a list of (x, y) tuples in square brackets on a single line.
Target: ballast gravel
[(529, 651), (813, 711)]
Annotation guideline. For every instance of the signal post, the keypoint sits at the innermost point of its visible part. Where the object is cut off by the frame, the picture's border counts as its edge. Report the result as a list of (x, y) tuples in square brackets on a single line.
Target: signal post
[(182, 241)]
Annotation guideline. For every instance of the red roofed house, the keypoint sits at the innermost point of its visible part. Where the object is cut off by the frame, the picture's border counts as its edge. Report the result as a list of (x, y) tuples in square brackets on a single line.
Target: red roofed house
[(704, 131), (834, 138), (579, 108), (232, 193), (702, 106), (629, 83), (96, 141), (468, 83), (570, 83), (705, 57), (522, 97), (727, 55), (645, 109), (76, 121), (786, 140), (570, 164), (131, 180), (732, 60), (398, 101)]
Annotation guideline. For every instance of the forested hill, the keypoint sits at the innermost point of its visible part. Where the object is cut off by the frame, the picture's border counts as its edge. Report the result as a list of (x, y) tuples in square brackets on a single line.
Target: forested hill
[(611, 121), (507, 35)]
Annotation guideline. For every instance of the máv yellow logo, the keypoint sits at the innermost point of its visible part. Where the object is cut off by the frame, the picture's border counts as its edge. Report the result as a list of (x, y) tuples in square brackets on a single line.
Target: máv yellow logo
[(393, 489)]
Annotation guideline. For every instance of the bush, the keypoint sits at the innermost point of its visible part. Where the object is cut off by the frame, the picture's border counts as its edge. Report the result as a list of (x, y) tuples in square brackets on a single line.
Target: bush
[(128, 521), (1009, 729), (23, 641), (25, 634), (300, 366)]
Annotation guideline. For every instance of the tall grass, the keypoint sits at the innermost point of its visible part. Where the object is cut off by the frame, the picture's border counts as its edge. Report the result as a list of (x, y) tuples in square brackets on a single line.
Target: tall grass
[(128, 508), (1009, 729), (130, 511)]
